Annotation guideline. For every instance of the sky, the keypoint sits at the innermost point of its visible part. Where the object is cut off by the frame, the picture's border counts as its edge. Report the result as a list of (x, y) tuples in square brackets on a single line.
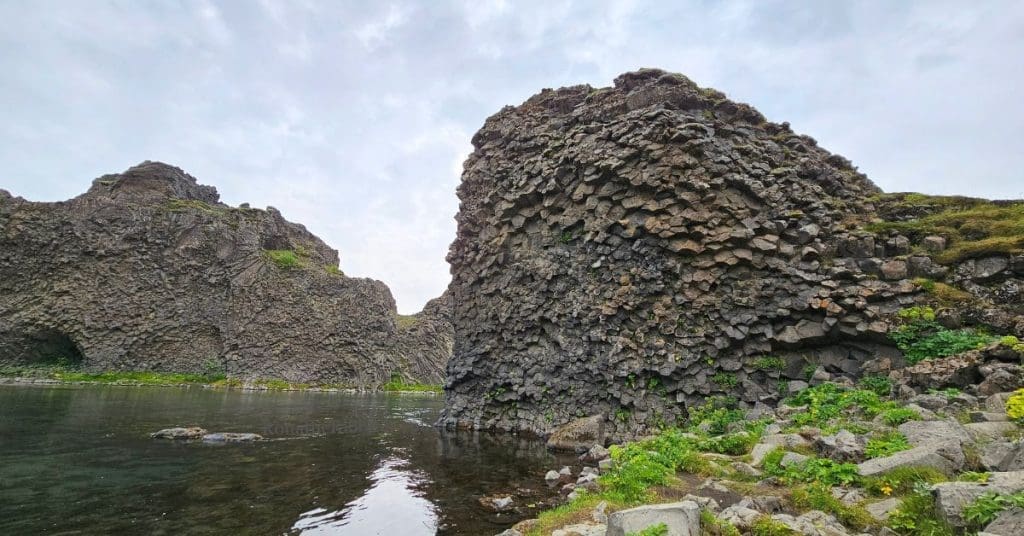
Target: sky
[(354, 118)]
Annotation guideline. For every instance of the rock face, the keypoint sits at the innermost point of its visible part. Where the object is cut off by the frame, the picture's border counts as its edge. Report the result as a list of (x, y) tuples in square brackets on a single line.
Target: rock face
[(149, 271), (634, 249)]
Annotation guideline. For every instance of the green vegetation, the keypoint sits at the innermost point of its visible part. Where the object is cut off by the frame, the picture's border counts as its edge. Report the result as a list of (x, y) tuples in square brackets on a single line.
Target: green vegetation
[(186, 205), (818, 496), (397, 384), (285, 259), (135, 378), (886, 444), (711, 525), (280, 385), (766, 526), (406, 321), (653, 462), (828, 402), (770, 363), (916, 515), (725, 379), (898, 416), (945, 294), (1015, 406), (817, 470), (902, 480), (984, 509), (881, 385), (660, 529), (333, 270), (920, 337), (973, 476), (973, 227)]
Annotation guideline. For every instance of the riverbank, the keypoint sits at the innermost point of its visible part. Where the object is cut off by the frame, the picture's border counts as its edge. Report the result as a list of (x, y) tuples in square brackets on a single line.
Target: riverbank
[(882, 456), (60, 375)]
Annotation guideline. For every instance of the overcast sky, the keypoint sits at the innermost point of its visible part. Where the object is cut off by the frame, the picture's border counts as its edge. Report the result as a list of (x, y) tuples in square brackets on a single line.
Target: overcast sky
[(353, 118)]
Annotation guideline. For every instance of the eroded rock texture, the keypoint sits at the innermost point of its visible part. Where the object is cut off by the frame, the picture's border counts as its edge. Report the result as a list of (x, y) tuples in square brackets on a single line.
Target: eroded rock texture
[(633, 250), (149, 271)]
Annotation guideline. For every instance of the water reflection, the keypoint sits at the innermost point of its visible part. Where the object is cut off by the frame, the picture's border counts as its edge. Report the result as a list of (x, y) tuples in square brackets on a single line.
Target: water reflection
[(392, 505), (79, 460)]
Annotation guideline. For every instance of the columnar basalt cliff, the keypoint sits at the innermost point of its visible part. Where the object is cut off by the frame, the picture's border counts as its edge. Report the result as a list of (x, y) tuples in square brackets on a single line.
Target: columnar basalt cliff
[(630, 251), (149, 271)]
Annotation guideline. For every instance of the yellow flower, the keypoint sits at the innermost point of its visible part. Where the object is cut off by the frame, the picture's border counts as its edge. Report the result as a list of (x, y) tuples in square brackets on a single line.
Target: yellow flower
[(886, 490)]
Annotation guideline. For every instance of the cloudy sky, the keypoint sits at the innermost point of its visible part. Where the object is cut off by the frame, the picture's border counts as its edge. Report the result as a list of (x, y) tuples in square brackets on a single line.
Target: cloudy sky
[(354, 117)]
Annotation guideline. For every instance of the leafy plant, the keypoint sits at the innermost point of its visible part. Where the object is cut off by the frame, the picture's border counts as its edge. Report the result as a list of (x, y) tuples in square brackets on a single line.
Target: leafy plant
[(725, 379), (898, 416), (921, 337), (880, 385), (903, 480), (886, 444), (817, 496), (660, 529), (711, 525), (984, 509)]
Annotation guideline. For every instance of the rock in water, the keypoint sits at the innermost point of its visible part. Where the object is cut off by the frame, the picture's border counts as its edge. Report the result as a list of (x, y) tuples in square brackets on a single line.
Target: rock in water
[(149, 271), (193, 432), (633, 249)]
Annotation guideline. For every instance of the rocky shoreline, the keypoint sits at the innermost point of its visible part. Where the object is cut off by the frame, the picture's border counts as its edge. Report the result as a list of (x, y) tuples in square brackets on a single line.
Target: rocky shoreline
[(241, 386), (890, 455)]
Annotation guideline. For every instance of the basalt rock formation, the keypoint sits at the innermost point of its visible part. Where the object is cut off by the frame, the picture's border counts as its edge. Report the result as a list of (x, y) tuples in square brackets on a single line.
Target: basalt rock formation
[(149, 271), (631, 251)]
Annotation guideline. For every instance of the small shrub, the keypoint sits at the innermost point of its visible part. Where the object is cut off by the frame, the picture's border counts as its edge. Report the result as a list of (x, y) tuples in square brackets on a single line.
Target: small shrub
[(886, 444), (921, 337), (1015, 406)]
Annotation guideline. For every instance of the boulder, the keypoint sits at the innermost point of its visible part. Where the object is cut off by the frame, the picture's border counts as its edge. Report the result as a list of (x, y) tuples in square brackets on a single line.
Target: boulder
[(946, 456), (985, 431), (682, 519), (952, 497), (920, 433), (579, 435), (1003, 456), (842, 446), (740, 517), (881, 510), (1008, 523), (189, 433)]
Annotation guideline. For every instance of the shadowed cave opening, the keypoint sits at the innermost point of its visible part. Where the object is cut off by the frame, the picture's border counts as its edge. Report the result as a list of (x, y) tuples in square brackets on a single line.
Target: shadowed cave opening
[(54, 348)]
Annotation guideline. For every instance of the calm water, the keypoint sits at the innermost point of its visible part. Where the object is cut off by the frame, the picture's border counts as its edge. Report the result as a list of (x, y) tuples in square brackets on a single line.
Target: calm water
[(78, 460)]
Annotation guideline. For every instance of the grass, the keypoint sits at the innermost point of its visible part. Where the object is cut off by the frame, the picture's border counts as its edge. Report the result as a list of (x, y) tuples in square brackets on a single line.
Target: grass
[(136, 377), (185, 205), (397, 385), (886, 444), (285, 259), (916, 515), (766, 526), (818, 496), (973, 227)]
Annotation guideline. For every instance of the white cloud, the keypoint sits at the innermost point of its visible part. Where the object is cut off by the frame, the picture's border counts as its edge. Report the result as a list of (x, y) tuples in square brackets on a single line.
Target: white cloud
[(354, 119)]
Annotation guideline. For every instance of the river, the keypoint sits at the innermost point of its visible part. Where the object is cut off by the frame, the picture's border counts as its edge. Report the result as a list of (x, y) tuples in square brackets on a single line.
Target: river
[(79, 460)]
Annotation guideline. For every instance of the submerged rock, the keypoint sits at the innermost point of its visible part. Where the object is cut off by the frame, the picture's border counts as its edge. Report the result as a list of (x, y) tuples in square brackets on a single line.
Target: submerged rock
[(231, 437), (193, 432)]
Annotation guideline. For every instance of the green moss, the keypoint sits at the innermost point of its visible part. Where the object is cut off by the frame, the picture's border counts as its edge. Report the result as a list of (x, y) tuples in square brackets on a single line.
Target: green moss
[(406, 321), (187, 205), (769, 363), (974, 227), (285, 259), (725, 379), (397, 385)]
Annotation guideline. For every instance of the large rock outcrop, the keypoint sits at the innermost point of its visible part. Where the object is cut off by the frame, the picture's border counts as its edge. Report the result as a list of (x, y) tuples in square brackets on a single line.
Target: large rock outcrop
[(633, 250), (149, 271)]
